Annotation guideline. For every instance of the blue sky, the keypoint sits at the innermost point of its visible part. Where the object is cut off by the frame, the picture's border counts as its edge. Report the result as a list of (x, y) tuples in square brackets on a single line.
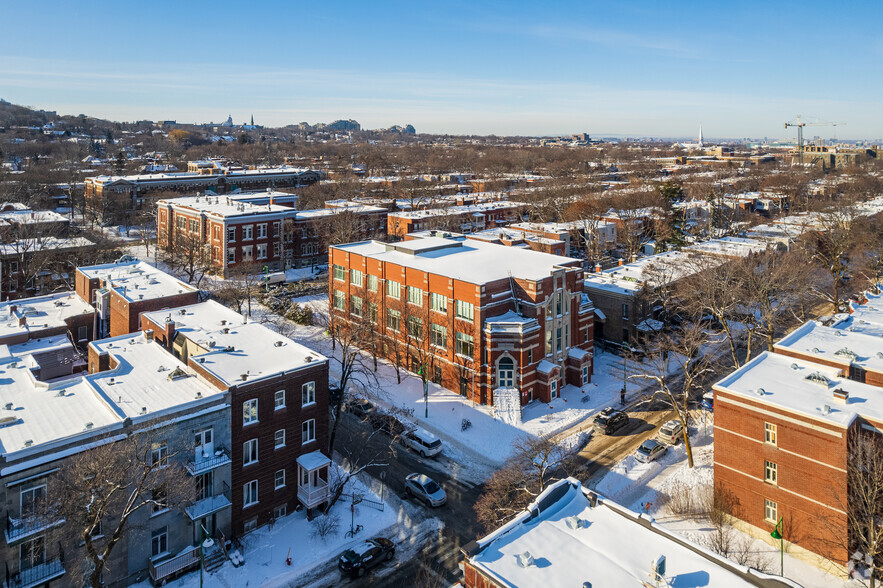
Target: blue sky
[(536, 68)]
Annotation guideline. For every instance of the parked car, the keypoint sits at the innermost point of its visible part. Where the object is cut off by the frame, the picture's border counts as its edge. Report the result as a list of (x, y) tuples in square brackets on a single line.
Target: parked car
[(364, 556), (708, 401), (423, 442), (671, 432), (650, 450), (386, 423), (610, 420), (360, 408), (426, 489)]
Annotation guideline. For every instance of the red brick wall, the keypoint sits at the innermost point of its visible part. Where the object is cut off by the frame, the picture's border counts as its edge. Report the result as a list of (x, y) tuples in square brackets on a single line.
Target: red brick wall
[(125, 316)]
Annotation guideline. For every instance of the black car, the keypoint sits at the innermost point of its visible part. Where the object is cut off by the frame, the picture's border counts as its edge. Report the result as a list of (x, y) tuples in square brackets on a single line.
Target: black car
[(387, 424), (610, 420), (366, 555)]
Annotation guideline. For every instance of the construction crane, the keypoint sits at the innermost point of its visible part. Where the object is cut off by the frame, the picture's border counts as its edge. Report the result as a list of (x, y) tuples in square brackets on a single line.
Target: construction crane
[(800, 124)]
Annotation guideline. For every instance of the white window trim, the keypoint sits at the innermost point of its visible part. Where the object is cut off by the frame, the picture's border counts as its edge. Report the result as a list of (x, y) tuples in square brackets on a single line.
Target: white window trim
[(256, 419), (276, 441), (276, 486), (313, 401), (244, 494), (281, 406), (308, 441), (255, 460)]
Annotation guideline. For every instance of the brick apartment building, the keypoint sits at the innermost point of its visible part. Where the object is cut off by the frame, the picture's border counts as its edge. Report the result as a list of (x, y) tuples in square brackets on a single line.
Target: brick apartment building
[(464, 219), (785, 424), (279, 398), (478, 317), (260, 229), (112, 195), (121, 291), (572, 234)]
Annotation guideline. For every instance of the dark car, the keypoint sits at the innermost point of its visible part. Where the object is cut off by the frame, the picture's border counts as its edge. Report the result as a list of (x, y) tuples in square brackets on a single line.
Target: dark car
[(387, 423), (609, 421), (708, 401), (360, 408), (366, 555)]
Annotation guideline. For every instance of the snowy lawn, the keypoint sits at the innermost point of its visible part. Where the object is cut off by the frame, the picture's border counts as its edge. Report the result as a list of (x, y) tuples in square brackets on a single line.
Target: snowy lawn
[(266, 548)]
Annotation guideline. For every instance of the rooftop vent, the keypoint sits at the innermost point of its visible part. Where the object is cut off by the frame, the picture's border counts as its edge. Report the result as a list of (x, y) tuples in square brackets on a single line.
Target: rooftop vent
[(841, 395), (143, 410), (816, 350), (760, 391), (826, 409), (89, 426), (9, 406), (225, 330), (794, 366), (243, 377), (308, 358), (223, 322), (61, 393), (846, 352), (575, 522), (278, 344), (818, 378), (525, 559), (183, 312), (29, 442)]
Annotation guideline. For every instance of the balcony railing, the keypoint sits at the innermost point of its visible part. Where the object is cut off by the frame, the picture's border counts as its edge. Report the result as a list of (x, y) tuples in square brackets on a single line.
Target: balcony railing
[(208, 505), (20, 529), (182, 562), (216, 460), (311, 496), (36, 575)]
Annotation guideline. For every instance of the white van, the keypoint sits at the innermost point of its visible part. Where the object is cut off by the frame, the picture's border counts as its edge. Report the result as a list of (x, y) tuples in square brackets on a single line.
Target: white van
[(423, 442)]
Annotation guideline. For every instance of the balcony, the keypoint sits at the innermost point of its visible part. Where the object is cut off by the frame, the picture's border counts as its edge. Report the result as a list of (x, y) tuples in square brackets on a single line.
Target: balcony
[(207, 506), (313, 495), (215, 460), (312, 475), (37, 575), (184, 561), (18, 530)]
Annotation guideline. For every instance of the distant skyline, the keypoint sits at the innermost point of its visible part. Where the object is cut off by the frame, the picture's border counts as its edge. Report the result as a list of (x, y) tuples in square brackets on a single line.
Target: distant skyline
[(506, 68)]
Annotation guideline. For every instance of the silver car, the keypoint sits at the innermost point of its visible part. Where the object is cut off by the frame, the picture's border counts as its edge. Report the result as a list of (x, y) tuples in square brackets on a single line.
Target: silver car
[(426, 489), (650, 450), (671, 432)]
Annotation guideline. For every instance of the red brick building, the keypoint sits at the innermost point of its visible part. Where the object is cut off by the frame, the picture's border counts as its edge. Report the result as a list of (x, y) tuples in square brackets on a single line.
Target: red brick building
[(279, 406), (478, 317), (259, 229), (464, 219), (784, 427), (120, 292)]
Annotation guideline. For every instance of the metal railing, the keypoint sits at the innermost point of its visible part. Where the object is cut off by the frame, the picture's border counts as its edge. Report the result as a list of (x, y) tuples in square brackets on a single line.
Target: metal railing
[(209, 463), (210, 504), (38, 574), (175, 565), (311, 495), (17, 529)]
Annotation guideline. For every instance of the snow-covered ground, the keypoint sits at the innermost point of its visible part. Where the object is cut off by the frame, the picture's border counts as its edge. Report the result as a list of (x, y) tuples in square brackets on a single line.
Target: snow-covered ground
[(634, 485), (266, 549)]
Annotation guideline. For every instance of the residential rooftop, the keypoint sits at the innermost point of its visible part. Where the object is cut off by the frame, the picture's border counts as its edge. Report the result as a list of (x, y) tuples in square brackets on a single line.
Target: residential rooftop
[(230, 347), (479, 208), (43, 244), (229, 206), (475, 262), (729, 247), (136, 280), (846, 347), (32, 315), (570, 537)]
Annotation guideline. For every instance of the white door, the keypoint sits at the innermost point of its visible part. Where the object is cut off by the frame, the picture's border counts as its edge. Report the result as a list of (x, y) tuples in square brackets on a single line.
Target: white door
[(204, 445)]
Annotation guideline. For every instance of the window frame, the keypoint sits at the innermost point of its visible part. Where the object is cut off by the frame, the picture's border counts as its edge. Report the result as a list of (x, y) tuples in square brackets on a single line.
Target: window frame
[(308, 394), (438, 303), (250, 452), (247, 490), (252, 412), (415, 296), (276, 439), (771, 434), (770, 506), (276, 404), (464, 310), (357, 278), (308, 429), (770, 472), (276, 484), (393, 285)]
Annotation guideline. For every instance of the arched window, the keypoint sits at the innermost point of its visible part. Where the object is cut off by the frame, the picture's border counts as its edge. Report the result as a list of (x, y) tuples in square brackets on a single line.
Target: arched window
[(506, 372)]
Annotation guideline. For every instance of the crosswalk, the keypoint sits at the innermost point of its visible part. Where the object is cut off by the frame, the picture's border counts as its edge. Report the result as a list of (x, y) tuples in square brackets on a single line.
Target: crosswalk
[(462, 483)]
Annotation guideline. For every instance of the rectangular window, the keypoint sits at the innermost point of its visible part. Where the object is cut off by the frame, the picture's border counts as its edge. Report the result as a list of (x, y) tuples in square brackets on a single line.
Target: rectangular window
[(205, 485), (262, 251), (159, 541), (393, 319), (159, 455), (250, 525), (436, 374), (32, 500), (279, 399), (280, 479), (247, 252), (770, 511), (558, 346), (231, 255), (231, 234), (247, 233), (160, 497), (276, 227), (250, 411), (339, 272), (308, 394), (393, 289), (250, 452), (356, 277), (437, 302), (770, 471), (415, 327), (625, 310), (308, 432), (464, 344), (529, 356), (250, 494), (82, 333), (262, 231), (770, 433), (464, 310), (415, 296), (438, 335), (356, 305), (372, 313), (279, 439), (339, 300), (372, 283), (585, 375), (280, 511)]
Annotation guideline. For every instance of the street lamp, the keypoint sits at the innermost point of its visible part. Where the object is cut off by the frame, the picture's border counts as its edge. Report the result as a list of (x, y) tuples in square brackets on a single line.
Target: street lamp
[(778, 534)]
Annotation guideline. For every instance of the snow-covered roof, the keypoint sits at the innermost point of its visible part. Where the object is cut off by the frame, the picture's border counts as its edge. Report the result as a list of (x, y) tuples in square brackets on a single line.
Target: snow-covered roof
[(468, 209), (28, 216), (729, 246), (631, 277), (354, 208), (842, 346), (257, 352), (803, 387), (476, 262), (566, 541), (40, 313), (313, 460), (43, 243), (510, 321), (137, 280), (230, 174), (545, 366), (237, 205)]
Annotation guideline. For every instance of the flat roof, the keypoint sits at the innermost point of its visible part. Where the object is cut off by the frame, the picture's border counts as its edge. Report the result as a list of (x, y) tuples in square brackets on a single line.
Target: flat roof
[(227, 206), (43, 243), (137, 280), (257, 352), (803, 387), (177, 176), (470, 261), (631, 277), (845, 346), (573, 543), (40, 313), (729, 246), (478, 207)]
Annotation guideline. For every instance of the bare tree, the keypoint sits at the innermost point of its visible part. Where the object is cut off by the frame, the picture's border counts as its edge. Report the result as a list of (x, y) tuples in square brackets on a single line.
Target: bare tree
[(189, 257), (101, 489), (586, 214)]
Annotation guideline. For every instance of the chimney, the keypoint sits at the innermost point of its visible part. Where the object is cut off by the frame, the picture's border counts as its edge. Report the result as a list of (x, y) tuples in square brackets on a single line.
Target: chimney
[(13, 308), (597, 268), (841, 396), (23, 321), (148, 335), (620, 262), (170, 332)]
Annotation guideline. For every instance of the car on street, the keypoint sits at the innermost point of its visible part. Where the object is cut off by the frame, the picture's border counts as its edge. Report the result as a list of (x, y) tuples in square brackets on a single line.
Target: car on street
[(426, 489), (609, 421), (387, 424), (650, 450), (671, 432), (364, 556), (423, 442), (708, 401), (360, 408)]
